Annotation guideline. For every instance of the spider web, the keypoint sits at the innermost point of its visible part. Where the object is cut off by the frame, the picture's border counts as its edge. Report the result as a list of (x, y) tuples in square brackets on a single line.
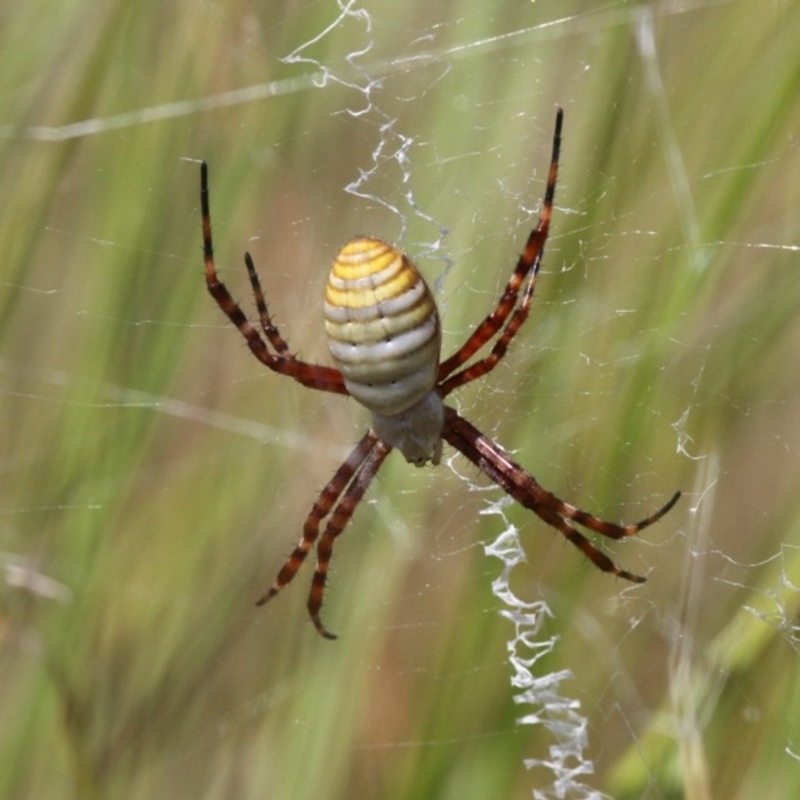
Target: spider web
[(155, 478), (393, 155)]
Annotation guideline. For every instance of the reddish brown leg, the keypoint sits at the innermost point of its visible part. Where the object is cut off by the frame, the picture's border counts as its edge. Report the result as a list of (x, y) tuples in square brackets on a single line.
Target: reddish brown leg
[(325, 502), (523, 487), (485, 365), (267, 325), (341, 516), (312, 375), (527, 265)]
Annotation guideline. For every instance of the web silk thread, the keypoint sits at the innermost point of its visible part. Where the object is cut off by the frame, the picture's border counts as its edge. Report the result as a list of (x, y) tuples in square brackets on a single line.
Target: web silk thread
[(558, 714)]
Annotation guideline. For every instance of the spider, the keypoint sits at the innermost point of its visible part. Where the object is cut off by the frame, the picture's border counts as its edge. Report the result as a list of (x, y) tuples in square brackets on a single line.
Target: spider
[(384, 335)]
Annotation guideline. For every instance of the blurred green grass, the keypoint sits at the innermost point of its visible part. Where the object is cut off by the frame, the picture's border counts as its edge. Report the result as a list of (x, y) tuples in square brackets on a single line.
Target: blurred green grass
[(154, 471)]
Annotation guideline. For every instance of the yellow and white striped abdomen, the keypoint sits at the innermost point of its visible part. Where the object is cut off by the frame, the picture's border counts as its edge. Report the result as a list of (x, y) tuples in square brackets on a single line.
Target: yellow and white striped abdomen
[(383, 326)]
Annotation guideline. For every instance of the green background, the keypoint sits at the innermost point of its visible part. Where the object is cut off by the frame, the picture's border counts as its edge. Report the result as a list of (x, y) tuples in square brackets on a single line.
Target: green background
[(155, 475)]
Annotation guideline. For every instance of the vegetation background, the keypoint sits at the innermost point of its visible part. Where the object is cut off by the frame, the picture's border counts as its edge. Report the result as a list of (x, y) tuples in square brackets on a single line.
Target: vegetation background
[(155, 475)]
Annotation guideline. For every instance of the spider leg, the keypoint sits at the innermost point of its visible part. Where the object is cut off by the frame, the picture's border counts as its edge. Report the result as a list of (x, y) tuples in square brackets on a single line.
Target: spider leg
[(314, 376), (340, 517), (610, 529), (527, 266), (325, 502), (492, 460), (267, 325), (598, 558), (485, 365)]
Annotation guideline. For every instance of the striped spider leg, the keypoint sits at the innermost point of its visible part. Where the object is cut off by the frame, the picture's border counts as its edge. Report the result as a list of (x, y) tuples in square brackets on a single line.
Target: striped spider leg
[(384, 335), (344, 491), (312, 375), (494, 462)]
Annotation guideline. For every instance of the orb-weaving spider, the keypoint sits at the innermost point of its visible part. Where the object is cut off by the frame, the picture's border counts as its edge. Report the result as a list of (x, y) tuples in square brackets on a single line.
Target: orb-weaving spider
[(384, 335)]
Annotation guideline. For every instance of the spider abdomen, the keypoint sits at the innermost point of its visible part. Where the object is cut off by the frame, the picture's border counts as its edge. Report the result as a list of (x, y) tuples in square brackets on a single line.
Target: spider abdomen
[(383, 327)]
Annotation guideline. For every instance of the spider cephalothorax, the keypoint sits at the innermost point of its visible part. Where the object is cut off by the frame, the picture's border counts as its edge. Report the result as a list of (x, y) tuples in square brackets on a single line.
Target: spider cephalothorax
[(384, 336)]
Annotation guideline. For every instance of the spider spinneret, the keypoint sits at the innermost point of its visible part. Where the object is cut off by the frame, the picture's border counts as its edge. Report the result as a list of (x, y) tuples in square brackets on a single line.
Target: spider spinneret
[(384, 335)]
